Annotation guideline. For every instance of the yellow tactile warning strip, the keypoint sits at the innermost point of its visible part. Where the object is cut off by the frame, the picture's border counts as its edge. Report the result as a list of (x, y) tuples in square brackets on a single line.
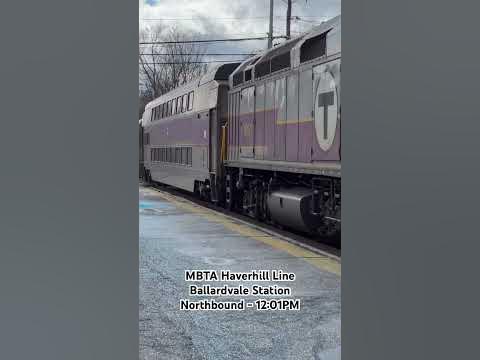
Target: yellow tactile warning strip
[(320, 261)]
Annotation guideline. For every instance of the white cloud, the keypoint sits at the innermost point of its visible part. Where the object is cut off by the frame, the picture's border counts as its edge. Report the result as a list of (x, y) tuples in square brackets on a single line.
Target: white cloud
[(212, 18)]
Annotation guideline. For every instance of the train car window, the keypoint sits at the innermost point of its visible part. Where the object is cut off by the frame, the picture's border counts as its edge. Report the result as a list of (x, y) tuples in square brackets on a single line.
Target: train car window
[(179, 105), (184, 155), (280, 62), (189, 156), (190, 100), (238, 78), (262, 69), (313, 48), (161, 111), (178, 155), (248, 75), (169, 110), (184, 105)]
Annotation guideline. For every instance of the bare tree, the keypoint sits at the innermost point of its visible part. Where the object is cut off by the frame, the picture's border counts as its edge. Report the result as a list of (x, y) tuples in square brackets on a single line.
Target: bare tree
[(167, 66)]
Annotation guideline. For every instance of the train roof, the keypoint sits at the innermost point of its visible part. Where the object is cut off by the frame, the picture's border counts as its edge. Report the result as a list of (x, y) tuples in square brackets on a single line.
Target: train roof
[(218, 73), (289, 53)]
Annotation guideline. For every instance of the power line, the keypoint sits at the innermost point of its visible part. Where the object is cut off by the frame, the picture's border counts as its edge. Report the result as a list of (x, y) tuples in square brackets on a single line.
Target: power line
[(209, 18), (224, 18), (200, 54), (206, 41), (190, 62)]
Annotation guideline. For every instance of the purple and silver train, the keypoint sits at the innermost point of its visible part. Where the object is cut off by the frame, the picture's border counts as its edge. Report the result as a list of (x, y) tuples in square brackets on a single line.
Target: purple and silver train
[(261, 137)]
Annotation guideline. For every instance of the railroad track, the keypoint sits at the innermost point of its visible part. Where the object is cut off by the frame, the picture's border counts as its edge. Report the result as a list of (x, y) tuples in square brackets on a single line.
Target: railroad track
[(328, 247)]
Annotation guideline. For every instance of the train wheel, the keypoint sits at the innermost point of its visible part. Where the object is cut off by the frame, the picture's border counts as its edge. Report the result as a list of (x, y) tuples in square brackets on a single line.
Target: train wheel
[(330, 233)]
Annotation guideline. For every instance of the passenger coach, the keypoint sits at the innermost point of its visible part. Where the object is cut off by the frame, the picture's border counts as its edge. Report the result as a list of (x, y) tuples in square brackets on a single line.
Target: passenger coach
[(182, 133)]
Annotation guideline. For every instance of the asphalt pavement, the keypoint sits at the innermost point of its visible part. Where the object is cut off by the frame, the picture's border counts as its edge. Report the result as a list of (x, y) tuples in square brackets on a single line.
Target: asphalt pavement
[(176, 236)]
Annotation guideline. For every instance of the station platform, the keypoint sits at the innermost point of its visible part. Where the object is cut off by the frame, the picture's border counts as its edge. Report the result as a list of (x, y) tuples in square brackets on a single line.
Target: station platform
[(177, 235)]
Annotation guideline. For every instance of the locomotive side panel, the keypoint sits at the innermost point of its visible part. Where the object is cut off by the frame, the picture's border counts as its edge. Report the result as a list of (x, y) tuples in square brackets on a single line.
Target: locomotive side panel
[(247, 121), (259, 138), (305, 130), (280, 106), (291, 124), (270, 119)]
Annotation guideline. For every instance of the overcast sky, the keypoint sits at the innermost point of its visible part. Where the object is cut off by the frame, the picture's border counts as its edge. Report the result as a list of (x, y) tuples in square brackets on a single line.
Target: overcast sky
[(213, 18)]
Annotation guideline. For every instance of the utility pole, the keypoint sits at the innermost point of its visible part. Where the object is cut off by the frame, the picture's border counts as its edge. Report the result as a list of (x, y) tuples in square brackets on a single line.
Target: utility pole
[(289, 17), (270, 30)]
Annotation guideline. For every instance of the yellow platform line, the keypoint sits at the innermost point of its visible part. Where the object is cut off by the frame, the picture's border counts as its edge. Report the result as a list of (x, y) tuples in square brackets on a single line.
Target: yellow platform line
[(320, 261)]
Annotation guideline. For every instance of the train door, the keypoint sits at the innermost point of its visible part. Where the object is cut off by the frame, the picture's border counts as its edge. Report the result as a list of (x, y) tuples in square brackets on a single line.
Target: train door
[(326, 111), (247, 121)]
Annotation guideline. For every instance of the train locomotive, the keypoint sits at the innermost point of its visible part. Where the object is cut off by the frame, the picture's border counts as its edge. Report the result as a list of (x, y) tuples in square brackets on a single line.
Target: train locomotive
[(261, 137)]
